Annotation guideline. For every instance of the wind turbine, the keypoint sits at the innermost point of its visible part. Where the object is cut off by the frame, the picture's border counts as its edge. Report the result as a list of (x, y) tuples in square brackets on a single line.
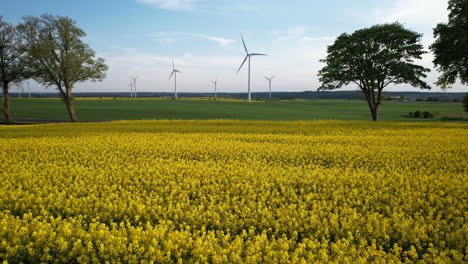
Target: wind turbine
[(20, 89), (29, 89), (269, 81), (215, 84), (134, 79), (174, 72), (131, 88), (248, 55)]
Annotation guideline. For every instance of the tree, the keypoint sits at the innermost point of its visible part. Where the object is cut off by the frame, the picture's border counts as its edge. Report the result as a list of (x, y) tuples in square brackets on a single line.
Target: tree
[(372, 58), (12, 67), (58, 57), (451, 45)]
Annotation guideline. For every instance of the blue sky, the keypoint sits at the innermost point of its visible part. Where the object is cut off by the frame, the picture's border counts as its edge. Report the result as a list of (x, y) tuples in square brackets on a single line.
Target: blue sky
[(139, 37)]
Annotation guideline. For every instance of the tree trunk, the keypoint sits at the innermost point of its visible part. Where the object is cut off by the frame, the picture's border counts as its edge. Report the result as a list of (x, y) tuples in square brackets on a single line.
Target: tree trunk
[(373, 106), (6, 104), (374, 113), (71, 110)]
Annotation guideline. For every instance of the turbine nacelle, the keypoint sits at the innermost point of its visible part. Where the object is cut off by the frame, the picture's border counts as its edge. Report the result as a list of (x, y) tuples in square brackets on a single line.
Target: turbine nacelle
[(173, 72), (248, 55), (173, 69)]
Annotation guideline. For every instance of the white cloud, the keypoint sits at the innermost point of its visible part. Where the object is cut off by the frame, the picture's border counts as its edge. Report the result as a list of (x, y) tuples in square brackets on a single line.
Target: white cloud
[(298, 33), (170, 4), (322, 39), (202, 5), (169, 37), (297, 30), (221, 41), (413, 12), (290, 33)]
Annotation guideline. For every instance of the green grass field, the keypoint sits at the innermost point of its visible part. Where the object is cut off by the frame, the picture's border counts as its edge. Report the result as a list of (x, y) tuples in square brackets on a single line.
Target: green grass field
[(127, 109)]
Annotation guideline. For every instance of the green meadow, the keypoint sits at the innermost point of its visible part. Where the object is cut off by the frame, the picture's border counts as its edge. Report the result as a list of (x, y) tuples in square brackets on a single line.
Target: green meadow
[(140, 109)]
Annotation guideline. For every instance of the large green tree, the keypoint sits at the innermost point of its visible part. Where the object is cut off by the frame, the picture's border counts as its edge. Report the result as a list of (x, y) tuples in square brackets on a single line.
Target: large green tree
[(58, 57), (372, 58), (451, 45), (12, 66)]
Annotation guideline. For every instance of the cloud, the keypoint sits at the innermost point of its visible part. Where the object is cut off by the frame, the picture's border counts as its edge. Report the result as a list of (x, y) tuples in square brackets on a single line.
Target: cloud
[(322, 39), (202, 5), (413, 12), (298, 33), (169, 37), (170, 4), (297, 30), (221, 41), (290, 33)]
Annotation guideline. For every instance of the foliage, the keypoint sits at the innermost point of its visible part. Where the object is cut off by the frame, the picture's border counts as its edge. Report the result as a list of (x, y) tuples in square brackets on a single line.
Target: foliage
[(58, 56), (419, 114), (373, 58), (427, 114), (451, 45), (233, 192)]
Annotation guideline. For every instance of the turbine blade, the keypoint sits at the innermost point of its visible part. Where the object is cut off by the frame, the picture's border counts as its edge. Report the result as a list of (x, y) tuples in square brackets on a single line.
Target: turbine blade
[(257, 54), (267, 78), (242, 64), (178, 71), (245, 47), (171, 74), (173, 66), (273, 76)]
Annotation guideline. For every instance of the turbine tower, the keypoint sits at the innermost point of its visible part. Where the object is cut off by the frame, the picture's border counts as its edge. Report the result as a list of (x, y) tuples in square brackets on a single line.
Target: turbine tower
[(131, 88), (20, 89), (174, 72), (248, 56), (215, 86), (134, 79), (29, 89), (269, 82)]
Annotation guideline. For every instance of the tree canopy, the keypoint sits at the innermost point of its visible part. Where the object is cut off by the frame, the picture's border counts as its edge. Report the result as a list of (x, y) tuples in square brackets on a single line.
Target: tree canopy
[(57, 55), (451, 45), (372, 58)]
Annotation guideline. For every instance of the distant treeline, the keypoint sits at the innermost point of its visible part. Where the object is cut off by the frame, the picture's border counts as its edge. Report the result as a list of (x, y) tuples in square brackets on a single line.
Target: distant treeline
[(350, 95)]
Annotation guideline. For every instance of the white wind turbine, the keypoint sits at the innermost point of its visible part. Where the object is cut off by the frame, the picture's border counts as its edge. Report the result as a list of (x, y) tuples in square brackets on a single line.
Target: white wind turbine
[(215, 86), (131, 88), (20, 89), (134, 79), (248, 55), (174, 72), (269, 82), (29, 89)]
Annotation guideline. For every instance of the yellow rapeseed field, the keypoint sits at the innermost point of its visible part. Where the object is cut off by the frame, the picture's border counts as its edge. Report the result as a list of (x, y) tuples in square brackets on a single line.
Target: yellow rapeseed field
[(234, 192)]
